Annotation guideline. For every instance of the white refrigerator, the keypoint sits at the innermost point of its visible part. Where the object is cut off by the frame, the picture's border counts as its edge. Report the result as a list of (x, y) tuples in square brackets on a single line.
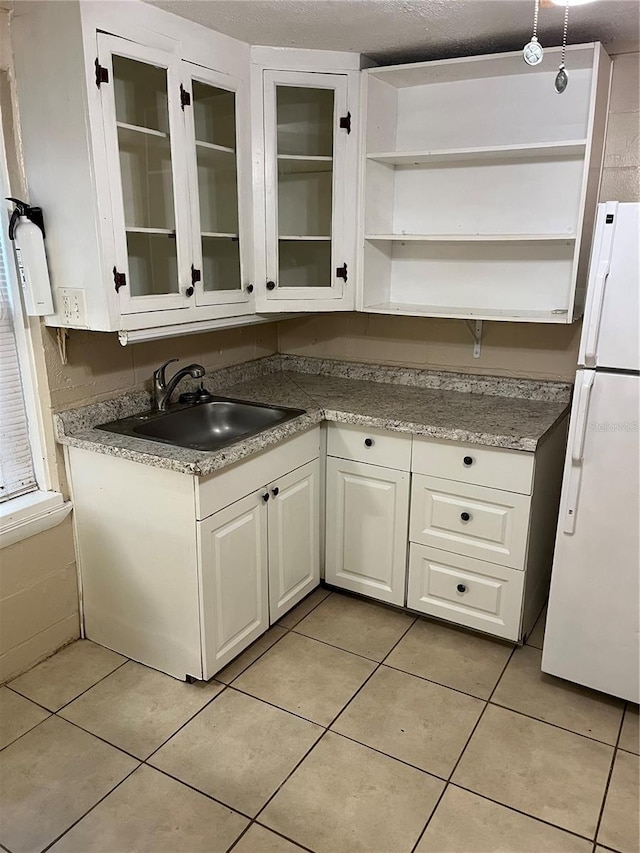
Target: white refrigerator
[(593, 624)]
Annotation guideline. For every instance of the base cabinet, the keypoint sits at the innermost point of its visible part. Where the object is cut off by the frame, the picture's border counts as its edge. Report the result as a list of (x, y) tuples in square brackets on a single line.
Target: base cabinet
[(183, 573), (367, 518), (258, 558), (293, 533), (233, 554)]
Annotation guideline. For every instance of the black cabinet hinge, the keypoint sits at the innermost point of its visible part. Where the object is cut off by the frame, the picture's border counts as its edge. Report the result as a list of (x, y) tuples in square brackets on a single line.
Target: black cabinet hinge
[(102, 74), (185, 97), (119, 279), (196, 275), (345, 122), (341, 272)]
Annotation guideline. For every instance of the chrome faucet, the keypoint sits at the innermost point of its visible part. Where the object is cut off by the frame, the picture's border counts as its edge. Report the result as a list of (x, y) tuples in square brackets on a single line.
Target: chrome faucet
[(162, 390)]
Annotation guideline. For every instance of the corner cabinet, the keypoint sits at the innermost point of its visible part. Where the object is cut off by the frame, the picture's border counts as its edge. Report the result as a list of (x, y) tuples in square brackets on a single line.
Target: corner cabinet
[(480, 185)]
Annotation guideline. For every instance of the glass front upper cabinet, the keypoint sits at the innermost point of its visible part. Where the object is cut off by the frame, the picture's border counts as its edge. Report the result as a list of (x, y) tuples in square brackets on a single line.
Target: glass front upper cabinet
[(217, 215), (144, 138), (306, 124)]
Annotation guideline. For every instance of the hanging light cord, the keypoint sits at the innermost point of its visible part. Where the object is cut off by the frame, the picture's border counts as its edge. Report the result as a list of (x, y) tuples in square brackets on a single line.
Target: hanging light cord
[(535, 20), (564, 35)]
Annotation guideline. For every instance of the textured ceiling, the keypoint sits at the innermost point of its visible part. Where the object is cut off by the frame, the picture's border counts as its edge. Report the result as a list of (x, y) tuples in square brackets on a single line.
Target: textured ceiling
[(394, 30)]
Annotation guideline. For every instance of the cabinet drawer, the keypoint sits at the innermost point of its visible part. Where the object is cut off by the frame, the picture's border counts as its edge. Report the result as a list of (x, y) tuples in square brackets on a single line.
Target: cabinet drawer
[(388, 449), (485, 523), (230, 484), (511, 470), (466, 591)]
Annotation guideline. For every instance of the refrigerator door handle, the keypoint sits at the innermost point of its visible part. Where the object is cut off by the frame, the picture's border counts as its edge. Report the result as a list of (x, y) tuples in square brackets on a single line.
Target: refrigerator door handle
[(595, 313), (582, 408), (577, 451)]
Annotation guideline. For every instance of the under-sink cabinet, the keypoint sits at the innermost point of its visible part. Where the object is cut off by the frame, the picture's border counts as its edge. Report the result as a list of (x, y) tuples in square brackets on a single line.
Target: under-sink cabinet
[(458, 531), (182, 573)]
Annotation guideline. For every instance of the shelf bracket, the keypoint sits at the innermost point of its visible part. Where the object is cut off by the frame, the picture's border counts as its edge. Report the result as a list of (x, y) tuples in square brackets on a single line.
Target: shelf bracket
[(476, 334)]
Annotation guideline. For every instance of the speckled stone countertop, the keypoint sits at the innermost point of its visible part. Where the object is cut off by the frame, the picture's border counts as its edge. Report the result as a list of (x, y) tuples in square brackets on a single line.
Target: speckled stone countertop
[(494, 411)]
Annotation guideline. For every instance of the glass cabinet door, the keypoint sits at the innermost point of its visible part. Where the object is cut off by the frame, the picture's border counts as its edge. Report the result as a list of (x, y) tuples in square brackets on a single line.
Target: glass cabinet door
[(144, 136), (304, 149), (217, 208)]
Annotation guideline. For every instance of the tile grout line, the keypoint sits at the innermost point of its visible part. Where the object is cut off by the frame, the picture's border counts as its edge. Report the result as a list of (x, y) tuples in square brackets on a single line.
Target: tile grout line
[(326, 728), (524, 814), (86, 690), (609, 775), (464, 748), (56, 713), (95, 805), (553, 725)]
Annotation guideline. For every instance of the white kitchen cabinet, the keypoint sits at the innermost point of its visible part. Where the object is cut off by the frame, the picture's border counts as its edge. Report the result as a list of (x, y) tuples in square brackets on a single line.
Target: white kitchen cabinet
[(366, 533), (305, 108), (234, 577), (294, 532), (468, 519), (482, 532), (147, 192), (470, 592), (180, 572), (480, 185)]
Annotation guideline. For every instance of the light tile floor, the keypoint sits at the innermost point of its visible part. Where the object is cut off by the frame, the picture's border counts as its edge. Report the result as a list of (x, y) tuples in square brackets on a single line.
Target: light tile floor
[(347, 727)]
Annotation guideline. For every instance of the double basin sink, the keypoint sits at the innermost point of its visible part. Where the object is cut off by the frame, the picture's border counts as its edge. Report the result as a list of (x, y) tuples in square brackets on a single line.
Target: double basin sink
[(203, 426)]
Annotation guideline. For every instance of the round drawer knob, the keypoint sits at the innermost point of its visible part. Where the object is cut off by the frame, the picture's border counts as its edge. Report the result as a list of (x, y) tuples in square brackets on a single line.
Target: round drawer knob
[(368, 442), (468, 461), (465, 516), (271, 285), (461, 587)]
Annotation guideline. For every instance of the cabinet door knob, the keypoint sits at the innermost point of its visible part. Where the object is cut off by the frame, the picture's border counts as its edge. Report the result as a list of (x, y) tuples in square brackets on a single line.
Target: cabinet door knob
[(249, 288), (468, 460), (271, 285), (368, 442), (275, 492), (461, 587), (189, 291), (465, 516), (265, 497)]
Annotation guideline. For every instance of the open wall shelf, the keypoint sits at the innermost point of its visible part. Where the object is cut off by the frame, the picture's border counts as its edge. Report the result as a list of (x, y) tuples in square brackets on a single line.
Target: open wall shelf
[(477, 176)]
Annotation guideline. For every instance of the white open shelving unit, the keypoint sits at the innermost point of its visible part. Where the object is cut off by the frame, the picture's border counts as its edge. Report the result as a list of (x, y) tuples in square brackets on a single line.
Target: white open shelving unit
[(477, 175)]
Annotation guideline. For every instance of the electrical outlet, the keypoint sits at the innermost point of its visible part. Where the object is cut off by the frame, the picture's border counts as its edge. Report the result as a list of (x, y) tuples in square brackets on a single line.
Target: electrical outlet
[(73, 306)]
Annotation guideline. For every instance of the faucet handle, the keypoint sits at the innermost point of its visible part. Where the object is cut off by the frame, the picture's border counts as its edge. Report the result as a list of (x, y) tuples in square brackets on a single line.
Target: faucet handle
[(159, 375)]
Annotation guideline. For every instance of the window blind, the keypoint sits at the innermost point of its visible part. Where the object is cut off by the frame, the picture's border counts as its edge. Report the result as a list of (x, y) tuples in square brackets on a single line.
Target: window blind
[(16, 468)]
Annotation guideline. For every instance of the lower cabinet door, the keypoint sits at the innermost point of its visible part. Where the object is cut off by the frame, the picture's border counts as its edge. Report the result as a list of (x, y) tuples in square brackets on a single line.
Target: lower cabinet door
[(367, 521), (294, 533), (233, 562), (466, 591)]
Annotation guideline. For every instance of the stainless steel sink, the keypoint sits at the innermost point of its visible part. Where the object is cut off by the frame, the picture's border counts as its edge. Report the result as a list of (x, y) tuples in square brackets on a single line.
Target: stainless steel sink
[(204, 426)]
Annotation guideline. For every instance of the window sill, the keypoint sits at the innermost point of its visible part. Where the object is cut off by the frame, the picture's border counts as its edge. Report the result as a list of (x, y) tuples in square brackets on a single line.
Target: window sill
[(30, 514)]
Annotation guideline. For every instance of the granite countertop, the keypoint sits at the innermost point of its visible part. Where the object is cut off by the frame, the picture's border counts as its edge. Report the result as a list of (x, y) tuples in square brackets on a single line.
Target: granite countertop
[(494, 411)]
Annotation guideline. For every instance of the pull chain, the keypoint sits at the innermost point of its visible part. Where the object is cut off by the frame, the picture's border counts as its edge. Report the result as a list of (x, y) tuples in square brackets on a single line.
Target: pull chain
[(533, 51), (562, 79)]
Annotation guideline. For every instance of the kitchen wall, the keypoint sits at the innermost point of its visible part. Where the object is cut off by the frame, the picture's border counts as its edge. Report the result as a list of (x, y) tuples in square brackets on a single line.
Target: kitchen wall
[(99, 367), (508, 349)]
